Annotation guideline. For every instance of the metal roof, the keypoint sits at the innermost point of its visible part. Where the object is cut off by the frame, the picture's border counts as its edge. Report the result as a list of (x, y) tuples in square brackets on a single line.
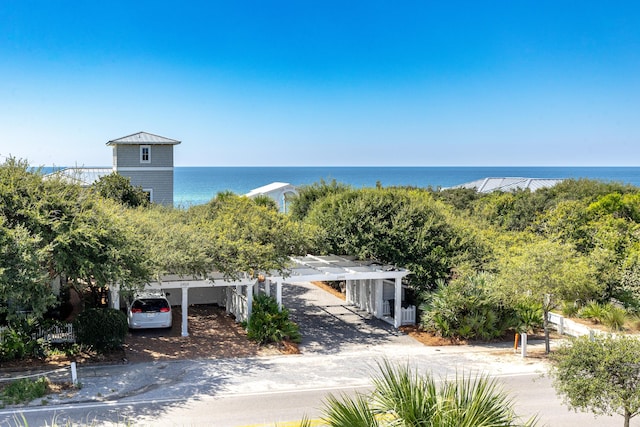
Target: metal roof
[(143, 138), (81, 176), (488, 185)]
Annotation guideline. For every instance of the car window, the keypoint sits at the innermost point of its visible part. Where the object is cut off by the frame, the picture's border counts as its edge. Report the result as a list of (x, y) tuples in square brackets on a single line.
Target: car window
[(150, 304)]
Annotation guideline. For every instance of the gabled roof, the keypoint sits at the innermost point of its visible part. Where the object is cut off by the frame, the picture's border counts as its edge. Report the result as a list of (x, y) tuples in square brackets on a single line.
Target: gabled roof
[(488, 185), (143, 138)]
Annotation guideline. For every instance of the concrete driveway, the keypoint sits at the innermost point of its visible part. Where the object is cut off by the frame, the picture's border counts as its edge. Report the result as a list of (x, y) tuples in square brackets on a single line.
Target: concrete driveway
[(329, 325)]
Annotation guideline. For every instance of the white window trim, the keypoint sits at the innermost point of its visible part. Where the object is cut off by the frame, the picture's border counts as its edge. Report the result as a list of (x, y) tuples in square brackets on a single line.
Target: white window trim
[(142, 147), (150, 191)]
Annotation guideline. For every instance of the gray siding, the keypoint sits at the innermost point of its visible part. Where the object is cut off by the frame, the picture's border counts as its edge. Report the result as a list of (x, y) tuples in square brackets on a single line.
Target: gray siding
[(125, 156), (160, 182)]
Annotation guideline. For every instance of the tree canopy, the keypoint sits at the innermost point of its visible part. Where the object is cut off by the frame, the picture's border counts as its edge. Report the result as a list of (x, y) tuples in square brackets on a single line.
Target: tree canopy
[(601, 375), (408, 228)]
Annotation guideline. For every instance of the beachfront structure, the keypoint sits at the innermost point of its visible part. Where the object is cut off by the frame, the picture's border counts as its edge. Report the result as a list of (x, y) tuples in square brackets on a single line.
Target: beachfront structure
[(147, 160), (280, 192), (489, 185)]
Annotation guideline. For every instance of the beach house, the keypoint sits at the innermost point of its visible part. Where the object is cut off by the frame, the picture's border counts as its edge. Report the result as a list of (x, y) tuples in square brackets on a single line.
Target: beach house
[(147, 160)]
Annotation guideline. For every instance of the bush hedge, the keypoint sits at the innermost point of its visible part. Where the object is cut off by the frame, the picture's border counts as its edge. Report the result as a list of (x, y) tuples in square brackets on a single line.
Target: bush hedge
[(103, 329)]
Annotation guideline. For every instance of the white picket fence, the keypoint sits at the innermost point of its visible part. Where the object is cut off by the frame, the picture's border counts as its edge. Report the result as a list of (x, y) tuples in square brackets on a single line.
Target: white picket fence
[(56, 334), (408, 314), (237, 305)]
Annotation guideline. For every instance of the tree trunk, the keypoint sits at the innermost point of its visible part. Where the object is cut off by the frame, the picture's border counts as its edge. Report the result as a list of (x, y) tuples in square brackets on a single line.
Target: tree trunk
[(627, 417), (545, 323)]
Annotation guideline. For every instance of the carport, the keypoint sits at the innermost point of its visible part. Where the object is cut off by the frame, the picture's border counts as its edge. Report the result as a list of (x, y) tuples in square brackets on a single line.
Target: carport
[(371, 286), (237, 295)]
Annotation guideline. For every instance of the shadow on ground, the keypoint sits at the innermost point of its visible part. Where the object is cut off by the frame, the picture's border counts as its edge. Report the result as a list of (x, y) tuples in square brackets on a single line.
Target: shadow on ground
[(329, 325)]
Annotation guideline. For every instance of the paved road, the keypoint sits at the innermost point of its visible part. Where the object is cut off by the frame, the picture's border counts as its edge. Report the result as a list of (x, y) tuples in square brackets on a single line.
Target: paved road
[(340, 352)]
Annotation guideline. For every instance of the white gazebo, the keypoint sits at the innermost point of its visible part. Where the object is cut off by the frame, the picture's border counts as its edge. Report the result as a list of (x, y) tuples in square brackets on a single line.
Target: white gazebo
[(373, 287), (280, 192)]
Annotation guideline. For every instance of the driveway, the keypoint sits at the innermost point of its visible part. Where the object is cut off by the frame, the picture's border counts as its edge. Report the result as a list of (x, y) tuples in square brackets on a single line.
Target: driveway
[(329, 325), (213, 334)]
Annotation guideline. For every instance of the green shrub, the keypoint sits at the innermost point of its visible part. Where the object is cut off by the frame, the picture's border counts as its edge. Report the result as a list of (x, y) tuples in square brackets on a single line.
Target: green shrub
[(18, 344), (593, 311), (528, 316), (24, 390), (465, 309), (268, 324), (570, 308), (614, 318), (103, 329)]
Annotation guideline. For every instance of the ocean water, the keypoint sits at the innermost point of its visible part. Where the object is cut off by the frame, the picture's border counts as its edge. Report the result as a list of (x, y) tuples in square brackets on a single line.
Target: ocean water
[(198, 185)]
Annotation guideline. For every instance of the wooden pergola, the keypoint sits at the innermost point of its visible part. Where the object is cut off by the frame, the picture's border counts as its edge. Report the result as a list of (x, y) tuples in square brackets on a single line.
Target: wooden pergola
[(369, 285)]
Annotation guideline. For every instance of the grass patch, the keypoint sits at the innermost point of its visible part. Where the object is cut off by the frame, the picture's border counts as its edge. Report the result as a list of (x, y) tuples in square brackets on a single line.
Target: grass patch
[(23, 391)]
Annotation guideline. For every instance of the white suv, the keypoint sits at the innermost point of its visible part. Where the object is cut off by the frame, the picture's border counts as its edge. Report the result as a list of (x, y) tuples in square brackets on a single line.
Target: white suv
[(149, 310)]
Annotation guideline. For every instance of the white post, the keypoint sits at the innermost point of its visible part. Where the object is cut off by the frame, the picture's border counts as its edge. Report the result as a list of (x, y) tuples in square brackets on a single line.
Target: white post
[(114, 289), (524, 344), (249, 300), (74, 374), (561, 325), (379, 304), (397, 315), (185, 309), (267, 287), (279, 294)]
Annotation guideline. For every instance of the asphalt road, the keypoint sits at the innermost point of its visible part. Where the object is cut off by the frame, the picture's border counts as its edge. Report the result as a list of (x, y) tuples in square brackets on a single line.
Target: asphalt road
[(532, 394)]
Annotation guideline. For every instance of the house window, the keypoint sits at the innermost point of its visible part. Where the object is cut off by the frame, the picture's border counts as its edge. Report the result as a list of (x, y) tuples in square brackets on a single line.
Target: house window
[(145, 154), (149, 193)]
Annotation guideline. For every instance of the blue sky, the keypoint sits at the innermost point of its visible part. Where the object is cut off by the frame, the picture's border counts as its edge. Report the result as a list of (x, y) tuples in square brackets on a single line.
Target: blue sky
[(421, 83)]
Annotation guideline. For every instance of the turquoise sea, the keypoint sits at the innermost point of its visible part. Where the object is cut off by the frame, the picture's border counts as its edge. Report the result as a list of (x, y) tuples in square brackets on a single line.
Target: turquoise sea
[(197, 185)]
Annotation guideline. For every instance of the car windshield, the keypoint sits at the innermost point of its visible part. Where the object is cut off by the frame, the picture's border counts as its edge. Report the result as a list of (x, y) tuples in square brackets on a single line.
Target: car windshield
[(150, 304)]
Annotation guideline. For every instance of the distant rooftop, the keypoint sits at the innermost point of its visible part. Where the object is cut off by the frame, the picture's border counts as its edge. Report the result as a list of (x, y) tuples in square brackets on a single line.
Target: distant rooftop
[(269, 188), (81, 176), (143, 138), (488, 185)]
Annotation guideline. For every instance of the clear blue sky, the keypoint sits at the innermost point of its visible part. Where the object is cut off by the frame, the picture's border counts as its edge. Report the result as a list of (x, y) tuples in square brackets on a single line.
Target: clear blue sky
[(324, 83)]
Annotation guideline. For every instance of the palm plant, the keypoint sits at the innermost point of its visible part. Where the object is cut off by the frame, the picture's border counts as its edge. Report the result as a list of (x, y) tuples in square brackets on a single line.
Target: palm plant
[(402, 397)]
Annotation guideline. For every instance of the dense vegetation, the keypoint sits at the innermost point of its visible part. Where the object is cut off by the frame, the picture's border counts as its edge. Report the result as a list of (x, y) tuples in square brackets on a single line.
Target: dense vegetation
[(56, 236), (484, 263), (481, 264)]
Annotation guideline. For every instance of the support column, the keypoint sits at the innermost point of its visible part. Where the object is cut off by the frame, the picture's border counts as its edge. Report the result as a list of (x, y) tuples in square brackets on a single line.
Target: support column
[(397, 315), (267, 287), (279, 294), (185, 309), (348, 291), (249, 300), (379, 304), (114, 289)]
